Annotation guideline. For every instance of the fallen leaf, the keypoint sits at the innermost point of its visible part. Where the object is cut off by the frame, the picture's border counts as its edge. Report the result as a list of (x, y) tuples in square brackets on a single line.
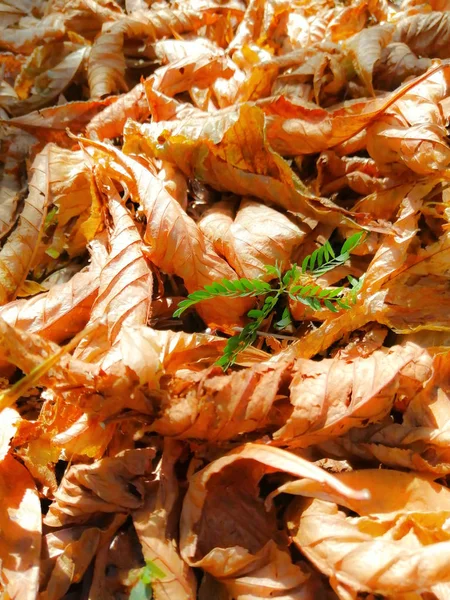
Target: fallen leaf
[(256, 237), (156, 524), (426, 34), (21, 531), (366, 48), (18, 252), (395, 531), (106, 61), (218, 536), (112, 484), (166, 220), (333, 396)]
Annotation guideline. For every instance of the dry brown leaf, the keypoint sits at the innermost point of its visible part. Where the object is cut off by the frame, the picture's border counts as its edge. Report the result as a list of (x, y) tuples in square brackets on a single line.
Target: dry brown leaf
[(218, 535), (151, 353), (74, 213), (366, 47), (23, 349), (397, 543), (18, 252), (294, 128), (426, 35), (156, 526), (247, 140), (125, 284), (396, 63), (168, 229), (112, 484), (420, 441), (50, 83), (23, 39), (67, 555), (106, 68), (109, 122), (332, 396), (21, 531), (421, 148), (221, 407), (200, 68), (50, 124), (256, 237), (60, 313), (229, 152)]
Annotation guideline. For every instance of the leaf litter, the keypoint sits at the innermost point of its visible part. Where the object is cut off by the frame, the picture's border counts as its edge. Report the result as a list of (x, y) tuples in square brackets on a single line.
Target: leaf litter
[(224, 299)]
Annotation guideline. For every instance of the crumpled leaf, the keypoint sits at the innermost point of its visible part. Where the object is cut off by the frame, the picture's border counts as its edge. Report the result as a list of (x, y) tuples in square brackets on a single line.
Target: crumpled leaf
[(425, 34), (359, 174), (60, 313), (217, 535), (420, 147), (221, 407), (156, 527), (109, 122), (396, 63), (106, 67), (24, 39), (366, 48), (293, 127), (109, 485), (151, 353), (256, 237), (199, 68), (107, 548), (396, 541), (21, 531), (50, 83), (67, 554), (166, 221), (73, 216), (325, 399), (50, 124), (419, 442), (125, 286), (235, 157), (331, 396), (248, 143)]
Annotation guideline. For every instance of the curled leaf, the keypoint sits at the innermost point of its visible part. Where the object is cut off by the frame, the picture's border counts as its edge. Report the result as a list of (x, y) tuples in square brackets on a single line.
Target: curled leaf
[(393, 534)]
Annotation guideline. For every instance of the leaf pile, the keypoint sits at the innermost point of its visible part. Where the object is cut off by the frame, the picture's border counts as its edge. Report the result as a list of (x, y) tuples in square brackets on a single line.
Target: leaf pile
[(224, 299)]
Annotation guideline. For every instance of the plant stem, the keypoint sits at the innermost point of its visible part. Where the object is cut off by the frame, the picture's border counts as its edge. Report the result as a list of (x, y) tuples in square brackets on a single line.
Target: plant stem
[(264, 334)]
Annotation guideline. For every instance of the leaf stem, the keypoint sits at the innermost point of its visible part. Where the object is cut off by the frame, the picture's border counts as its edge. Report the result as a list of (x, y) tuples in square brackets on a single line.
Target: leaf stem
[(264, 334)]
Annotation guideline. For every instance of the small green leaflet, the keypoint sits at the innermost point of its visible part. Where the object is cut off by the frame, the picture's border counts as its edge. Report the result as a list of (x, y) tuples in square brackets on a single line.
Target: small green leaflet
[(52, 253), (324, 259), (289, 284), (239, 288), (142, 590), (51, 217), (285, 320)]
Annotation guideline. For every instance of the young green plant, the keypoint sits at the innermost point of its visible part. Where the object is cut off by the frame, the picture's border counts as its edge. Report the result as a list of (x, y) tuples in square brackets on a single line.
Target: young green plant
[(298, 283)]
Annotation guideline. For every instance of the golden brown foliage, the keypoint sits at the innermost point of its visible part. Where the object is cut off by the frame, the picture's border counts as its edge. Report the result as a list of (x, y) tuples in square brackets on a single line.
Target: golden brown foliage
[(149, 149)]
